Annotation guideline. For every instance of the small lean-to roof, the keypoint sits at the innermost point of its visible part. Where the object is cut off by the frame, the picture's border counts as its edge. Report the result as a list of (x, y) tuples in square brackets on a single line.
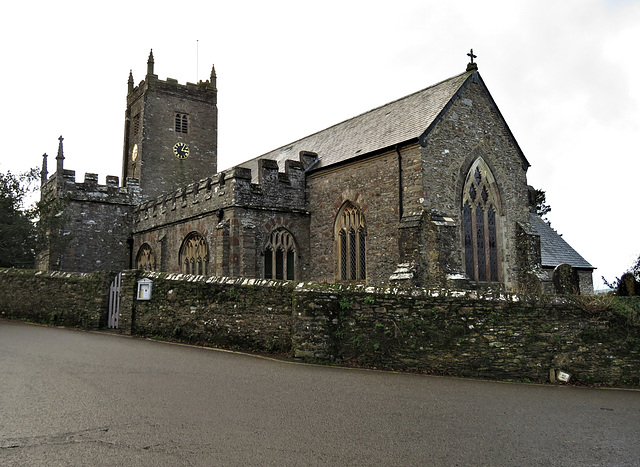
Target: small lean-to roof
[(383, 127), (553, 247)]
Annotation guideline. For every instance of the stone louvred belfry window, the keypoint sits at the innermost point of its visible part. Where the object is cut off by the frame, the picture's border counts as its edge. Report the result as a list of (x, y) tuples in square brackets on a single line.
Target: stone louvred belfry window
[(480, 204), (194, 255), (146, 259), (350, 235), (136, 124), (280, 256), (182, 124)]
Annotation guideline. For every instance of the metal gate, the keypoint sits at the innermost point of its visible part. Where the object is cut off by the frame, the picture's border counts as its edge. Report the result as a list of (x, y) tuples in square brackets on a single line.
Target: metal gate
[(114, 302)]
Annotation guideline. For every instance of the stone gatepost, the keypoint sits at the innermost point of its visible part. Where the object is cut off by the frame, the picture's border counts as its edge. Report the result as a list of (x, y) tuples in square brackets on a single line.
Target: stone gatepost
[(128, 288)]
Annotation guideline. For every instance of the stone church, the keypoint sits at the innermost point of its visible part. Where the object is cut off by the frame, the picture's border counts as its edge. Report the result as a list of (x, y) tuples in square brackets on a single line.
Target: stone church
[(429, 190)]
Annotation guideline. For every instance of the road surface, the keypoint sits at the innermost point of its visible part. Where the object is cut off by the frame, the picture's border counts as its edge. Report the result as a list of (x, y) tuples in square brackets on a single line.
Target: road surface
[(72, 397)]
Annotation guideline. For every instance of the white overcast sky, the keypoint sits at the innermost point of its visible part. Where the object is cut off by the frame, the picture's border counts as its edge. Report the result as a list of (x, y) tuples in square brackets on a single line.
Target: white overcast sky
[(563, 73)]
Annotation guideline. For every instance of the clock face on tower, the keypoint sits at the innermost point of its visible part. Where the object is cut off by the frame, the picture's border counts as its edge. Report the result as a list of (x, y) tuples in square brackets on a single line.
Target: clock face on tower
[(134, 153), (181, 150)]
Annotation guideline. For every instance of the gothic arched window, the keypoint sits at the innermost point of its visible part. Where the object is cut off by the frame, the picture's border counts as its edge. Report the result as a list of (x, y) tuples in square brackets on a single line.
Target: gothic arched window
[(280, 256), (350, 236), (480, 204), (146, 259), (194, 255)]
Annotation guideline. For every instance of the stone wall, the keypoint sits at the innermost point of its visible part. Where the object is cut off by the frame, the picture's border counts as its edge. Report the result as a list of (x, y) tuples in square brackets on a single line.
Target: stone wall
[(471, 334), (234, 215), (373, 187), (503, 336), (471, 128), (154, 103), (88, 224), (238, 313), (57, 298)]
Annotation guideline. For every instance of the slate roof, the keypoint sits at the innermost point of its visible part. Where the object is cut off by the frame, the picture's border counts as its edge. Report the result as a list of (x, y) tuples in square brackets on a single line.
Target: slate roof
[(554, 249), (393, 123)]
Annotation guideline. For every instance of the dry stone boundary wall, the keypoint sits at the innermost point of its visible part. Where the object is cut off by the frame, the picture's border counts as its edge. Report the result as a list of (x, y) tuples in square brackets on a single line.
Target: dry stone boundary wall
[(445, 332)]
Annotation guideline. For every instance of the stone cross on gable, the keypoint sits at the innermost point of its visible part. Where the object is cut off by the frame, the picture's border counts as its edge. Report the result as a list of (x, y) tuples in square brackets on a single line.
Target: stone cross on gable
[(470, 54)]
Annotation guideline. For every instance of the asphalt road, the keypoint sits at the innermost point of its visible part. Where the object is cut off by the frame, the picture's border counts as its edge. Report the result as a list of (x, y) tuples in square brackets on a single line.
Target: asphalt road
[(81, 398)]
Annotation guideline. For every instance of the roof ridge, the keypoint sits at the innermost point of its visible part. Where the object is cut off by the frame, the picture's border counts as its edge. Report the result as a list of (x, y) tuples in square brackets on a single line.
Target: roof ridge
[(291, 143)]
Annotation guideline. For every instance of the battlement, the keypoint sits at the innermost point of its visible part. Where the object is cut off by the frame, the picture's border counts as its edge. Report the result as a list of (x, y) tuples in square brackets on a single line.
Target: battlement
[(64, 185), (204, 90), (273, 188), (231, 188)]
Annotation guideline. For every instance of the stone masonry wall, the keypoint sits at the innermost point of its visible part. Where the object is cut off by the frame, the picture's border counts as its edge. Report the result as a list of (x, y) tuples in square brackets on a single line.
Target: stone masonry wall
[(234, 216), (469, 129), (503, 336), (373, 187), (238, 313), (157, 102), (469, 334), (92, 223), (57, 298)]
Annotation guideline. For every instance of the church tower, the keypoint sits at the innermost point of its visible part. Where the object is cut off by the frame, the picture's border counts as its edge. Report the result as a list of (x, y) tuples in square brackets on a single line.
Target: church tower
[(170, 134)]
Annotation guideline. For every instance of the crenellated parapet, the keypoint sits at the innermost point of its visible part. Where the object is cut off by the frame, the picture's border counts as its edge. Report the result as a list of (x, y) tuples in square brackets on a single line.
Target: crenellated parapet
[(64, 185), (87, 224), (196, 199), (203, 90), (275, 190)]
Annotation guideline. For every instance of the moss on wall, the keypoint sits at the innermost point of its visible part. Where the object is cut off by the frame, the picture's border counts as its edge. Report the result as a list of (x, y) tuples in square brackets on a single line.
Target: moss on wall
[(595, 339), (244, 314), (57, 298), (522, 337)]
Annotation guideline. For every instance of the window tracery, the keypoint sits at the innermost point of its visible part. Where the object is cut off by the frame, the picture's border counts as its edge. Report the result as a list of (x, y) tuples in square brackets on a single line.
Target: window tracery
[(479, 208), (146, 259), (194, 255), (280, 256), (350, 235)]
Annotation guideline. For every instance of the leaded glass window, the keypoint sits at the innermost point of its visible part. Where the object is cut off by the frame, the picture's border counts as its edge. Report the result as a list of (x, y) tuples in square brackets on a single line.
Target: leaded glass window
[(350, 234), (280, 256), (342, 238), (479, 224), (361, 254), (194, 255)]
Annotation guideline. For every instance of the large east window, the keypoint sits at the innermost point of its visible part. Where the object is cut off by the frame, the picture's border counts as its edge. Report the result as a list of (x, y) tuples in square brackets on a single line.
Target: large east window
[(479, 223)]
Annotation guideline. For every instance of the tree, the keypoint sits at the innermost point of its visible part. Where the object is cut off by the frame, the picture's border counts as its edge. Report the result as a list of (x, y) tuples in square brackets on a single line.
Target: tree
[(539, 201), (635, 269), (17, 230)]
